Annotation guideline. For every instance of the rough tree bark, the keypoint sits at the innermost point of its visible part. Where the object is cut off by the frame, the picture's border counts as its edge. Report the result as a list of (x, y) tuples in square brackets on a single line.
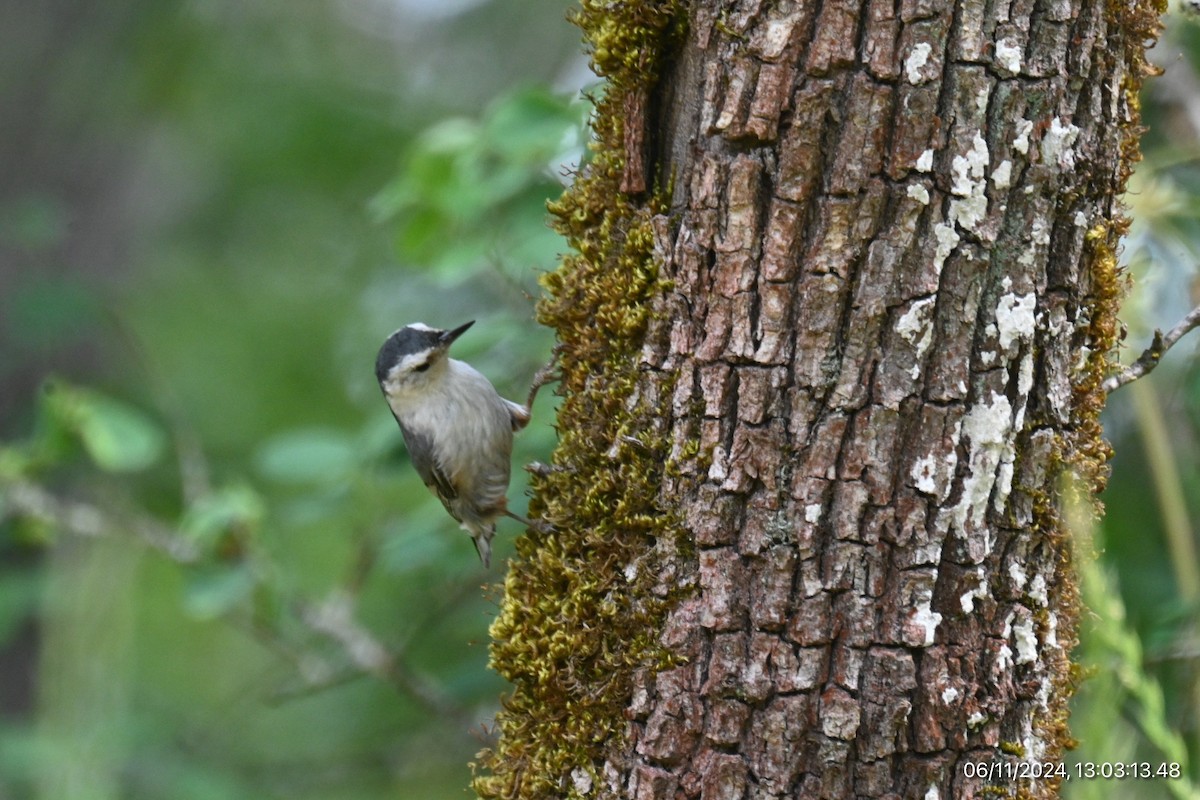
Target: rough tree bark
[(842, 297)]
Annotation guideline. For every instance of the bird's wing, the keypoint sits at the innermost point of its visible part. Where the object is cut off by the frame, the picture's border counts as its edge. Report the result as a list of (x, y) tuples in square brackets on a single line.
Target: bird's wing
[(420, 453), (518, 414)]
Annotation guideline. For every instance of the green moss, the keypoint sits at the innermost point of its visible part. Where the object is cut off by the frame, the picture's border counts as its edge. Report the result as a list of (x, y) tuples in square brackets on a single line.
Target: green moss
[(1082, 450), (575, 624), (1012, 749)]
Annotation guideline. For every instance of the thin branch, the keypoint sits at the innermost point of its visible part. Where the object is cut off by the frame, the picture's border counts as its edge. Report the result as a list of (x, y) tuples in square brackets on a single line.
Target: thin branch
[(88, 521), (333, 619), (1154, 353), (547, 374)]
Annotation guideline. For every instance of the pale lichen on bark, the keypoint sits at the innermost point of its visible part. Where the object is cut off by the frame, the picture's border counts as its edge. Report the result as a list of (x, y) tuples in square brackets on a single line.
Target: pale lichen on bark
[(883, 282)]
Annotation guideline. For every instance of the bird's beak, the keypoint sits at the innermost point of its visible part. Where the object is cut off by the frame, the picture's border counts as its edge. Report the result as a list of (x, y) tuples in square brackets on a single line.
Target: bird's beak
[(449, 336)]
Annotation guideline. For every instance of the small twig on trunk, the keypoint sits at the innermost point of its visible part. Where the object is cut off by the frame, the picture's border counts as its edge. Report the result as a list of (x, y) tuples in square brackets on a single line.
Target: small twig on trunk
[(549, 373), (1154, 353), (633, 174)]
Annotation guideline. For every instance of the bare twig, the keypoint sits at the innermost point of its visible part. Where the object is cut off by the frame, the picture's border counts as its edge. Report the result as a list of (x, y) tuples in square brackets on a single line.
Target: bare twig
[(334, 619), (317, 674), (633, 175), (1154, 353), (547, 374), (86, 520)]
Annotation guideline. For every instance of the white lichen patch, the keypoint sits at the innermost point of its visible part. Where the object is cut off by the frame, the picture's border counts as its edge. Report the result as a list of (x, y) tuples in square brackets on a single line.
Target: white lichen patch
[(982, 97), (1017, 574), (969, 168), (812, 513), (1057, 143), (1080, 219), (932, 793), (1009, 56), (949, 695), (1024, 384), (581, 779), (976, 719), (1040, 232), (1004, 479), (926, 618), (970, 206), (1002, 175), (1016, 319), (1039, 238), (969, 211), (947, 239), (1035, 748), (1045, 690), (1026, 641), (914, 325), (924, 475), (1004, 660), (1051, 639), (918, 192), (1081, 360), (925, 161), (988, 425), (967, 600), (1037, 591), (718, 471), (918, 58), (775, 36), (1021, 142)]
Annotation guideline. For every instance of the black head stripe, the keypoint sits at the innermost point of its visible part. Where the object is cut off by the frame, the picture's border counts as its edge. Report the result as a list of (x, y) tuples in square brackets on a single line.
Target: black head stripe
[(403, 342)]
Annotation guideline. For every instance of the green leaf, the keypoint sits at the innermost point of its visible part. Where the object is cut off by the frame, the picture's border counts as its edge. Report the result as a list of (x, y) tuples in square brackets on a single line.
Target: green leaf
[(450, 136), (313, 455), (532, 125), (117, 436), (212, 592), (232, 509), (14, 464)]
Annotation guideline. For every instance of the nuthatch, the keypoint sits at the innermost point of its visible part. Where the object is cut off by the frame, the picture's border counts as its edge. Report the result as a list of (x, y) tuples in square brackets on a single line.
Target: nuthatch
[(457, 427)]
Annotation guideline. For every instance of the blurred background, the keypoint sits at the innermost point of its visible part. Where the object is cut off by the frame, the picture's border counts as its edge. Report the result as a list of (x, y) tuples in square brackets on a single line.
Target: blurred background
[(211, 214)]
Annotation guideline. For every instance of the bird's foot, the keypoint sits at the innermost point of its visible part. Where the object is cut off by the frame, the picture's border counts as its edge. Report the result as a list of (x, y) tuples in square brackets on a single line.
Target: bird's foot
[(539, 525)]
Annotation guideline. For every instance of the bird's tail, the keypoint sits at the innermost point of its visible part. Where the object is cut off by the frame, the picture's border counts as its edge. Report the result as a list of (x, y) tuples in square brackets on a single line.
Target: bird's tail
[(482, 537)]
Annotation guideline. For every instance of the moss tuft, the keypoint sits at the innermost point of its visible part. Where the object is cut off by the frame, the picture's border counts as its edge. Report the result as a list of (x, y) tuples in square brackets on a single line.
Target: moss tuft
[(575, 624), (1083, 452)]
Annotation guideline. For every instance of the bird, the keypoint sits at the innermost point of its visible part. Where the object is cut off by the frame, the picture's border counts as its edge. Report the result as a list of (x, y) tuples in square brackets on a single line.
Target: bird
[(456, 426)]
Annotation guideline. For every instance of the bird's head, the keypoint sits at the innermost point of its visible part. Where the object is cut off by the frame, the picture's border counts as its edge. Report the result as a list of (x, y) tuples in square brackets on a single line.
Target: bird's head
[(413, 356)]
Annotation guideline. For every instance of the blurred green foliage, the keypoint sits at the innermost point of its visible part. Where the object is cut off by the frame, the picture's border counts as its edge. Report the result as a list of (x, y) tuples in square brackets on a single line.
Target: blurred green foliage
[(213, 214), (1140, 635), (217, 212)]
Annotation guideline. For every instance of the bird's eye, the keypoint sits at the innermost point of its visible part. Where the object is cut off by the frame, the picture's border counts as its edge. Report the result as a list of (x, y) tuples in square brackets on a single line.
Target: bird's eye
[(422, 367)]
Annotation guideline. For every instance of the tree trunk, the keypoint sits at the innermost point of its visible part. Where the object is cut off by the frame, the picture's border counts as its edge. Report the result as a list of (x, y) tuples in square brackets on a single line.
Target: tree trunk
[(821, 387)]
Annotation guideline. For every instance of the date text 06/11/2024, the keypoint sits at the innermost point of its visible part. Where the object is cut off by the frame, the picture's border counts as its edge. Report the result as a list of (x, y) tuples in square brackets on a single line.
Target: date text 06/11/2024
[(1016, 770)]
